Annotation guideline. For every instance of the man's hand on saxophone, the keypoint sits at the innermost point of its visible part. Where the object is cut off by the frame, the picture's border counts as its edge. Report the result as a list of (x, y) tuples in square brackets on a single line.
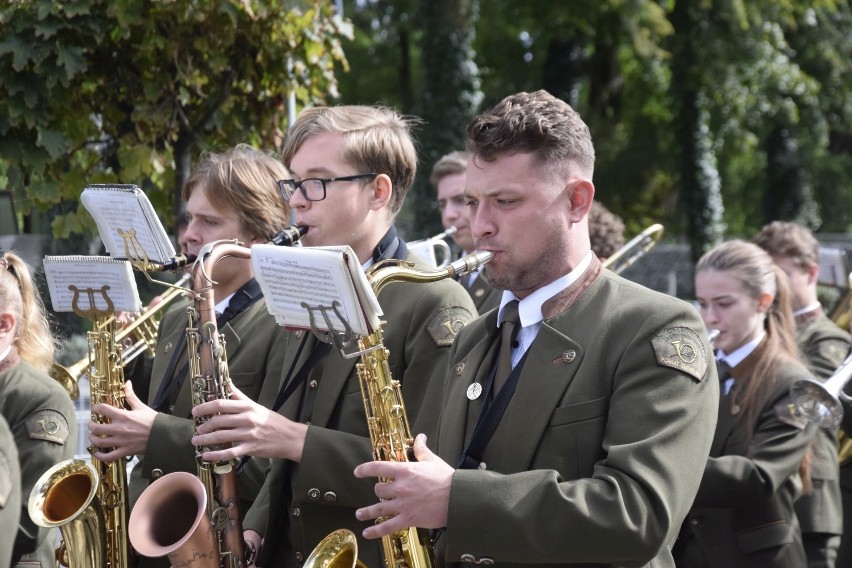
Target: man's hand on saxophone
[(416, 495), (127, 430), (249, 428)]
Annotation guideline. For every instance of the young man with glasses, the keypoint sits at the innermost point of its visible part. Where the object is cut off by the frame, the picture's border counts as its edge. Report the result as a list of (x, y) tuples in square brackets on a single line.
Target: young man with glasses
[(351, 166)]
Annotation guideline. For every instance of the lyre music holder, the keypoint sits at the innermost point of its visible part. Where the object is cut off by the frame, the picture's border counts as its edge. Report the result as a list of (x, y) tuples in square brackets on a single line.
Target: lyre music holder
[(93, 312), (342, 340)]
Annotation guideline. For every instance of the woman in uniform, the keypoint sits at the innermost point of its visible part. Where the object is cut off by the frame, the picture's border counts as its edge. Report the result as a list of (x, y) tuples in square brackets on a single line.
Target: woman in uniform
[(743, 514), (39, 411)]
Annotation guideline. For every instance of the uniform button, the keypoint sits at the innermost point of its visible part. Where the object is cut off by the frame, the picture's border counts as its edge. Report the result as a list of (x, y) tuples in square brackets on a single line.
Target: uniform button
[(569, 356), (329, 497), (299, 556), (156, 473), (168, 347), (468, 558), (313, 494), (459, 368), (694, 522), (312, 385), (307, 422), (297, 512), (171, 409)]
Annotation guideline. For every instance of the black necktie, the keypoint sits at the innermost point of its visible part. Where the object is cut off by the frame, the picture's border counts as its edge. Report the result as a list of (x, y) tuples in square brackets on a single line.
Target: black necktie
[(508, 331), (724, 371)]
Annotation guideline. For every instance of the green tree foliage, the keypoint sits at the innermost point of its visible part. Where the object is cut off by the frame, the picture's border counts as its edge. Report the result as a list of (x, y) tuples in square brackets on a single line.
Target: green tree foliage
[(131, 91)]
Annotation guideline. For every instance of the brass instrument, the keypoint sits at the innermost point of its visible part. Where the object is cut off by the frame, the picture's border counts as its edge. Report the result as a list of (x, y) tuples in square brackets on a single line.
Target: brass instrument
[(166, 520), (428, 248), (337, 550), (89, 502), (390, 432), (821, 402), (136, 338), (634, 249)]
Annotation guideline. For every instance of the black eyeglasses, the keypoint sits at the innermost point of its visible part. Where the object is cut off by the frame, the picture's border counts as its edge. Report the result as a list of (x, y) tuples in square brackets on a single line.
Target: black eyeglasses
[(313, 188)]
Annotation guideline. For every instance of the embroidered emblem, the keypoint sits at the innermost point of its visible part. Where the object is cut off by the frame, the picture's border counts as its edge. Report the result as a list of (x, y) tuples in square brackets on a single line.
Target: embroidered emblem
[(681, 348), (788, 413), (48, 425), (446, 324)]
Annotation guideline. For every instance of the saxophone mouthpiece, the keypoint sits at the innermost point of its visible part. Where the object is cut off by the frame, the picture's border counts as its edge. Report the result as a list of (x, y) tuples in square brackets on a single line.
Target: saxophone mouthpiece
[(470, 262), (178, 262), (289, 236)]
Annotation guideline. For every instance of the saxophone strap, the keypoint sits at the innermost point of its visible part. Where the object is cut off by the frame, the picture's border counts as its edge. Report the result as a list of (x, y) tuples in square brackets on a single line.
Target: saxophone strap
[(248, 294), (490, 414), (289, 386)]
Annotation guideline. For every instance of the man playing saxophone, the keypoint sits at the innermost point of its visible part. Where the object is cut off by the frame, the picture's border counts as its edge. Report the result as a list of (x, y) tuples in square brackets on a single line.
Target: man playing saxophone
[(351, 166), (228, 196), (577, 418)]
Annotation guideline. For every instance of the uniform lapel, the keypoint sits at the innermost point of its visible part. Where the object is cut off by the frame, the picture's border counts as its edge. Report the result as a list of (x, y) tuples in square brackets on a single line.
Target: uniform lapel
[(550, 367), (335, 374), (473, 368), (290, 408), (170, 341)]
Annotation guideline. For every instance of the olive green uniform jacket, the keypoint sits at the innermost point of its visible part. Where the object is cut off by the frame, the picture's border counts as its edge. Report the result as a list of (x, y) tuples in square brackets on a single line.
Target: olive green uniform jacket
[(485, 296), (42, 418), (254, 346), (820, 513), (743, 514), (10, 491), (598, 456), (301, 503)]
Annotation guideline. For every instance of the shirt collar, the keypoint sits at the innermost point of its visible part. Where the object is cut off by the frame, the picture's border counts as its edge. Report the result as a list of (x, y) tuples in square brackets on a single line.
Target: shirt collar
[(529, 309), (737, 356)]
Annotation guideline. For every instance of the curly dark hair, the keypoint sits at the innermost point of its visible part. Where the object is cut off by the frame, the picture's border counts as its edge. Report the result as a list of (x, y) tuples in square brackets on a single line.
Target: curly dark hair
[(606, 230)]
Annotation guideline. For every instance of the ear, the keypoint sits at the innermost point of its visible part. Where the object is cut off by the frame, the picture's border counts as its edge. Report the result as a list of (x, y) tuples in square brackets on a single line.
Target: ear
[(7, 324), (382, 192), (813, 273), (580, 198), (764, 301)]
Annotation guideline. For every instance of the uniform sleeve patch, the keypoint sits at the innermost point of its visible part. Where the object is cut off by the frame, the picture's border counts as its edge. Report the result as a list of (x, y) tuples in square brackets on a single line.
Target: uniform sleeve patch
[(833, 350), (48, 425), (787, 413), (681, 348), (5, 479), (445, 325)]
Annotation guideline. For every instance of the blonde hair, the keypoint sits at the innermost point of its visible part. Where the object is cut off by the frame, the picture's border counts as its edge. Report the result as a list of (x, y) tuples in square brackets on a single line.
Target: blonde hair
[(19, 296), (450, 164), (244, 180), (375, 140)]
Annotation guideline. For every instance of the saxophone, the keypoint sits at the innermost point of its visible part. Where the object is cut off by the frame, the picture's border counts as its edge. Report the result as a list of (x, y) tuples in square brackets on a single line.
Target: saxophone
[(88, 502), (390, 432), (195, 521)]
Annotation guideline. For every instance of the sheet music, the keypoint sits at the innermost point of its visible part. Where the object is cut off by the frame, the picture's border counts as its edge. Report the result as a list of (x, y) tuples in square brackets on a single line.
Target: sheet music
[(317, 276), (118, 208), (91, 272)]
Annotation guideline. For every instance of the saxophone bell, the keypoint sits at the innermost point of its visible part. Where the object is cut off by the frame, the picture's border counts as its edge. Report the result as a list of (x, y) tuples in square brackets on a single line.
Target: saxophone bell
[(65, 496)]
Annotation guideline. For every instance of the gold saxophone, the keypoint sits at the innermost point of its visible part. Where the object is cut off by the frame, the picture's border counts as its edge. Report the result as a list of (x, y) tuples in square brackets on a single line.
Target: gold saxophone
[(390, 432), (88, 502), (195, 521)]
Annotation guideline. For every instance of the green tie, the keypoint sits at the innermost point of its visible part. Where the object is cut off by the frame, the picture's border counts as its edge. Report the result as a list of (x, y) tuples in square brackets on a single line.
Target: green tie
[(508, 331)]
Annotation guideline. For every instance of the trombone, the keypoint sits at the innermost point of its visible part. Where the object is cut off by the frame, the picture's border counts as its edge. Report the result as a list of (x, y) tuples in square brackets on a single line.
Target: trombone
[(136, 338), (635, 249)]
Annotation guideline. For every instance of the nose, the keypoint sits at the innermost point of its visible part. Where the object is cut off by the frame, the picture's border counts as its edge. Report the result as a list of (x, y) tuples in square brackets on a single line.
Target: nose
[(190, 234), (298, 200), (481, 225)]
